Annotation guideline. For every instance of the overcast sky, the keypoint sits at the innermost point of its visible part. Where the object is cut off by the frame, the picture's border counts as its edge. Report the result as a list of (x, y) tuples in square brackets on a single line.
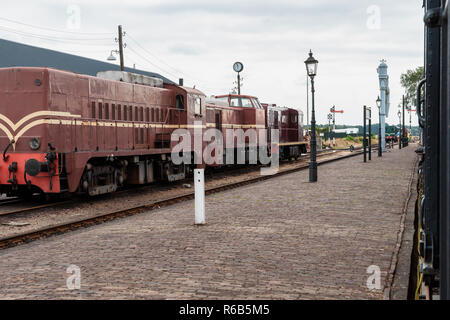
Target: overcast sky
[(199, 40)]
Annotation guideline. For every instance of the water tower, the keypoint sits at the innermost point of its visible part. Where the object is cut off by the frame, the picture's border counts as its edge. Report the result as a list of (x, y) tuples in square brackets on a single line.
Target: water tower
[(385, 100)]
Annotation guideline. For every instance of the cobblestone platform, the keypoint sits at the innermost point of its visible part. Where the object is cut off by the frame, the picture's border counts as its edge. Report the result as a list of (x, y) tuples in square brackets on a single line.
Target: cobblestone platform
[(280, 239)]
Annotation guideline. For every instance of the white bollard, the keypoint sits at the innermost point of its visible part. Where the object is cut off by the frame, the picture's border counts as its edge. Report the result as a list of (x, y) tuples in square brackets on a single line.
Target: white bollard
[(199, 177)]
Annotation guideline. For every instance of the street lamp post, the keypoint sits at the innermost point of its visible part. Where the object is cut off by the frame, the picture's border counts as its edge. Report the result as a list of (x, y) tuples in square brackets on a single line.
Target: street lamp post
[(400, 133), (380, 153), (370, 133), (404, 143), (311, 68)]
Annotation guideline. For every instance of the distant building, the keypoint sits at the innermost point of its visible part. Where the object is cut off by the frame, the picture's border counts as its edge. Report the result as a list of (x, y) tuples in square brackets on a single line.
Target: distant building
[(347, 131), (13, 54)]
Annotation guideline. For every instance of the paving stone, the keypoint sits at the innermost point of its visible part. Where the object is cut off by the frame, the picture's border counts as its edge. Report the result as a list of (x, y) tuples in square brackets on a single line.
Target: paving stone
[(283, 238)]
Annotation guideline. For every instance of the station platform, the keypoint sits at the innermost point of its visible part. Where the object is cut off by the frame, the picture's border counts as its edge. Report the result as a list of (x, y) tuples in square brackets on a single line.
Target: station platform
[(283, 238)]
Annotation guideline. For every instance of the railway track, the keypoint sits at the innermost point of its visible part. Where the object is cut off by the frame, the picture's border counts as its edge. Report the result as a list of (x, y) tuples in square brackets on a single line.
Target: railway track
[(14, 206), (75, 224), (6, 201)]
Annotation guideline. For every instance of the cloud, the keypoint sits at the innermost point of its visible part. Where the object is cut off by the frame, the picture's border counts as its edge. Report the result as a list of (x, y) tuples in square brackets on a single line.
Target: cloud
[(186, 49), (199, 40)]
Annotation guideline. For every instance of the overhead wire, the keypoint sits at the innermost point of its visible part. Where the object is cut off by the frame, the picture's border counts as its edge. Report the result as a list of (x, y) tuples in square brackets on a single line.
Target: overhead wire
[(87, 41), (150, 62), (161, 69), (55, 39), (55, 30), (154, 56), (195, 79)]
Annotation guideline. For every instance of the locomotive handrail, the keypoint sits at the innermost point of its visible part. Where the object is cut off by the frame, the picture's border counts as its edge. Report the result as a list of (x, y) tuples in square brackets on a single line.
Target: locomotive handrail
[(419, 103), (167, 116), (6, 149)]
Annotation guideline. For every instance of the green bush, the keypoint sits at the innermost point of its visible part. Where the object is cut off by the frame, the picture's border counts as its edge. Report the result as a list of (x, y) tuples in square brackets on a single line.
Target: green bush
[(350, 138)]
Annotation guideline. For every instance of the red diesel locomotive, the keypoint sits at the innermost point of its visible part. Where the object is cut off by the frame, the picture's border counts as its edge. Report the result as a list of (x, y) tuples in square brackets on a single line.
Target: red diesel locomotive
[(66, 132), (246, 112)]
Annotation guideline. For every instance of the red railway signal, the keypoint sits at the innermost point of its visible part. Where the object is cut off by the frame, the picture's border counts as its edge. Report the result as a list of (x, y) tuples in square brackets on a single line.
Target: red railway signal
[(333, 110)]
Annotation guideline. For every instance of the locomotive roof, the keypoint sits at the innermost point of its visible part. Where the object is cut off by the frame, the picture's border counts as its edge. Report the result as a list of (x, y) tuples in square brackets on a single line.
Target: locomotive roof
[(166, 85), (18, 54), (236, 95)]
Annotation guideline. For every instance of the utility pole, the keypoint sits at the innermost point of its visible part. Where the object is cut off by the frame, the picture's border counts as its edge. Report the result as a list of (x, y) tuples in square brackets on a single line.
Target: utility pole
[(121, 48)]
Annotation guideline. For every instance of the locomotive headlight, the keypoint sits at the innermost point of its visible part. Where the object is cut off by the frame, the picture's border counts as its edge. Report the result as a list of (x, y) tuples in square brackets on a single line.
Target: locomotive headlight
[(34, 143)]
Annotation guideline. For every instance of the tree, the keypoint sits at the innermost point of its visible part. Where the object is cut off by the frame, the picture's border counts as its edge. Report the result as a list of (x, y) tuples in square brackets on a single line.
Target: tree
[(410, 80)]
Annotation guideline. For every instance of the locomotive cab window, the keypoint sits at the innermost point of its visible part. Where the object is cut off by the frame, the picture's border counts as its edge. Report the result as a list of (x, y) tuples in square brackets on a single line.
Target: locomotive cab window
[(179, 103), (223, 99), (257, 104), (197, 106), (241, 102), (294, 119)]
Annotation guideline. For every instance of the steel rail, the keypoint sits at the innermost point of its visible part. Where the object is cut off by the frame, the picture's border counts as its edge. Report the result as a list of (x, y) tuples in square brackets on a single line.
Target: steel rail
[(32, 208), (76, 224), (63, 202)]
